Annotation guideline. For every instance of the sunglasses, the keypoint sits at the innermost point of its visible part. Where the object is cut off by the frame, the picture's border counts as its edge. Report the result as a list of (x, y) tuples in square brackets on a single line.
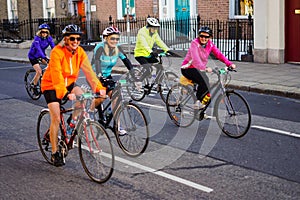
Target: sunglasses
[(114, 38), (44, 32), (75, 38), (204, 36)]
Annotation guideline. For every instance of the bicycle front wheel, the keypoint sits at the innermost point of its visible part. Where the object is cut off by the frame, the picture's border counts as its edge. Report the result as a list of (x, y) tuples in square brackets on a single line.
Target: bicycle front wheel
[(180, 105), (165, 83), (233, 114), (131, 129), (28, 81), (95, 151), (43, 136)]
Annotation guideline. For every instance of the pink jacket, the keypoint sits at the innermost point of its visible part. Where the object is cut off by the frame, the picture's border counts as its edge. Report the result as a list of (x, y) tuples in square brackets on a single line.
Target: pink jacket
[(199, 55)]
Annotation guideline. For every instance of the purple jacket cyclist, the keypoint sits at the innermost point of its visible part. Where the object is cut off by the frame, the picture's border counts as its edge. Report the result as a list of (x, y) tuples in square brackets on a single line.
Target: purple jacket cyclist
[(37, 53)]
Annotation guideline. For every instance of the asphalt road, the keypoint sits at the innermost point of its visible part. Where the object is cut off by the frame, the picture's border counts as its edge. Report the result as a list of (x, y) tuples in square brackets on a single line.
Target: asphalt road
[(198, 162)]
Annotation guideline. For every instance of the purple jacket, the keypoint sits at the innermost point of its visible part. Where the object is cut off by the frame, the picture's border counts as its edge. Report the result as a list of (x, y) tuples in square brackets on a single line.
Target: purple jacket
[(39, 46), (199, 55)]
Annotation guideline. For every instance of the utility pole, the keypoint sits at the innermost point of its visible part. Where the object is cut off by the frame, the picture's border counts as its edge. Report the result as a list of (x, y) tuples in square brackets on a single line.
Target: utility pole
[(30, 18), (128, 26)]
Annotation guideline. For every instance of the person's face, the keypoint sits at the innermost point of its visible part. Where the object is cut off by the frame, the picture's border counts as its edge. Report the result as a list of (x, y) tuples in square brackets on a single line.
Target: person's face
[(44, 32), (153, 29), (203, 37), (113, 40), (72, 41)]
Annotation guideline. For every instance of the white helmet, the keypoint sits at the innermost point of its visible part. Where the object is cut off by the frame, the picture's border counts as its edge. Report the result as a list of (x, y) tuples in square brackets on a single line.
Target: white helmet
[(152, 22)]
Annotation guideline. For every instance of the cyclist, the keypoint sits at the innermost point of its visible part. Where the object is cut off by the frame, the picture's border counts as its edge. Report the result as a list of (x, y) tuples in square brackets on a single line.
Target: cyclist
[(105, 57), (37, 53), (59, 80), (145, 40), (194, 64)]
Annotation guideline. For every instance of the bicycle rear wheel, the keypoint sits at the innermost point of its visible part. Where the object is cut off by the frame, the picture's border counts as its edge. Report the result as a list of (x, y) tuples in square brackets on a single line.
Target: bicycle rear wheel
[(180, 105), (131, 119), (43, 137), (135, 88), (166, 81), (28, 79), (95, 151), (233, 114)]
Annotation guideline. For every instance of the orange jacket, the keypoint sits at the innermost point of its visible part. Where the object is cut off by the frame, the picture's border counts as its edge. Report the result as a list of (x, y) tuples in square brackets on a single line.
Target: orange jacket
[(63, 70)]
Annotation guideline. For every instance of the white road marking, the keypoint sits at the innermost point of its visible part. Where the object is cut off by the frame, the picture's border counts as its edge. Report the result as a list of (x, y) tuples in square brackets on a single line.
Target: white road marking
[(165, 175), (19, 67), (277, 131)]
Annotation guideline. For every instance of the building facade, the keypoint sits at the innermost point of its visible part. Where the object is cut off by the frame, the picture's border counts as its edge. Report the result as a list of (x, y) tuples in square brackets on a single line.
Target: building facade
[(273, 19)]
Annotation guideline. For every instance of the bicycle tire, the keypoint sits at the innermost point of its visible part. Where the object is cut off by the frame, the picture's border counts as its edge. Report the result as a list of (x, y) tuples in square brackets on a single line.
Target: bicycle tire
[(135, 89), (166, 81), (180, 105), (233, 114), (29, 75), (95, 151), (132, 119), (43, 137)]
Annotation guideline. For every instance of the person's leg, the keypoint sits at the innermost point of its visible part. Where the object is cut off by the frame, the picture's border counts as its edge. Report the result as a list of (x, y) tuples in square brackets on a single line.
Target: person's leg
[(38, 73), (54, 111), (198, 77)]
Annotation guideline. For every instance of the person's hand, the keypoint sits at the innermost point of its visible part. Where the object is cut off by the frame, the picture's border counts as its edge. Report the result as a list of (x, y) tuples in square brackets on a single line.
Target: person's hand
[(154, 54), (45, 61), (72, 96), (233, 66), (208, 69)]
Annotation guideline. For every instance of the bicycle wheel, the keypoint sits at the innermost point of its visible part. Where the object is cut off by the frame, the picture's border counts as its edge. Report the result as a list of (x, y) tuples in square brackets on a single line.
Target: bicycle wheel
[(180, 105), (29, 75), (43, 127), (131, 119), (95, 151), (134, 88), (233, 114), (166, 81)]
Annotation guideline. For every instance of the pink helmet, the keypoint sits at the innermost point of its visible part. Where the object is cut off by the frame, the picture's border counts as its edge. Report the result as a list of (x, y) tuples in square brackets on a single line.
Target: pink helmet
[(111, 30)]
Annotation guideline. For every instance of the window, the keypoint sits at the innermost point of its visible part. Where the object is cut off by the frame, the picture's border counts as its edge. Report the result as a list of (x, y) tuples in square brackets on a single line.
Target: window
[(131, 7), (12, 9), (49, 8), (241, 8)]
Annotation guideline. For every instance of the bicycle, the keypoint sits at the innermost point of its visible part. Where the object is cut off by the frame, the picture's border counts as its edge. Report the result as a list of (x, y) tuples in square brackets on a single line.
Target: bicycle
[(126, 116), (164, 79), (35, 92), (94, 145), (231, 109)]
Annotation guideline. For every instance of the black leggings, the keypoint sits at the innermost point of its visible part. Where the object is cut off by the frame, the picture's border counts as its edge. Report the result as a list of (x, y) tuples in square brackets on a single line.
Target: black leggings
[(146, 63), (197, 77)]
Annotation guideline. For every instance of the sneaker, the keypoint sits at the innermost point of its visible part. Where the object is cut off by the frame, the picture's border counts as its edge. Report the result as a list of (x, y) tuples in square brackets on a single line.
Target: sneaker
[(57, 159), (138, 86), (121, 131), (35, 90), (198, 105)]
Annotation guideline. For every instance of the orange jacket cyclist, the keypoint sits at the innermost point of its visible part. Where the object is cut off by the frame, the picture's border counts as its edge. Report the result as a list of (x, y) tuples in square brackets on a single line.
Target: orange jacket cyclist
[(59, 80)]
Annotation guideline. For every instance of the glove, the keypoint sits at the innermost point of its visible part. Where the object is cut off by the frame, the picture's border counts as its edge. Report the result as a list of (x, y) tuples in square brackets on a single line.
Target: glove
[(154, 54)]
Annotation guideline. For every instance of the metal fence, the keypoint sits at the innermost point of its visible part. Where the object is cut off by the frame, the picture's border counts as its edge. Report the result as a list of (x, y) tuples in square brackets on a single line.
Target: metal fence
[(233, 37)]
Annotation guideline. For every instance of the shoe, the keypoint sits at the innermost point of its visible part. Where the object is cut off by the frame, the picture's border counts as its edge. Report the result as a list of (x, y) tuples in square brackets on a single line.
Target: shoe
[(138, 86), (57, 159), (121, 131), (35, 90), (198, 105)]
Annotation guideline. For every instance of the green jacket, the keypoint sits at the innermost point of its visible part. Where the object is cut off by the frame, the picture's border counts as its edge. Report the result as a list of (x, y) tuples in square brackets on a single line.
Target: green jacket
[(145, 43)]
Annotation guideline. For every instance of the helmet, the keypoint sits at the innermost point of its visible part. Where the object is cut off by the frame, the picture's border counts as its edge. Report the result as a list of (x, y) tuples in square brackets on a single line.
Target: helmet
[(111, 30), (71, 29), (152, 22), (205, 29), (44, 26)]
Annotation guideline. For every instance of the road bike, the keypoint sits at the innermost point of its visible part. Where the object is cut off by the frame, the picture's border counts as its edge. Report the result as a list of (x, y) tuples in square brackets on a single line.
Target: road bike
[(148, 78), (35, 92), (230, 108), (120, 115), (93, 143)]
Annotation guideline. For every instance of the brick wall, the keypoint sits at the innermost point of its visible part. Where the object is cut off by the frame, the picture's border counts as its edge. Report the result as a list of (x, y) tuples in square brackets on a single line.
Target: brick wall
[(105, 8), (213, 9), (143, 8), (3, 9)]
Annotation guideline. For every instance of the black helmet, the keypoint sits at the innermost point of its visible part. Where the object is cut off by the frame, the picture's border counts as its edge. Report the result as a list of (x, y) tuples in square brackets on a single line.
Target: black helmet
[(71, 29), (44, 26), (205, 29)]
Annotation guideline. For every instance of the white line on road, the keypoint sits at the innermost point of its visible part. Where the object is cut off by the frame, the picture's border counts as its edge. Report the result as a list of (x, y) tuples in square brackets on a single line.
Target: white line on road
[(19, 67), (277, 131), (165, 175)]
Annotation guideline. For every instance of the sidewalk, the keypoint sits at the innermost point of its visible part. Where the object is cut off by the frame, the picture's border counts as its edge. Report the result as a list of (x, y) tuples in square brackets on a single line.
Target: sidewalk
[(275, 79)]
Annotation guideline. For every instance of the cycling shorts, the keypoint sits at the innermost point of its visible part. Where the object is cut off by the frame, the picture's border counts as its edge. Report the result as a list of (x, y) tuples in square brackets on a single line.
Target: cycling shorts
[(50, 95)]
